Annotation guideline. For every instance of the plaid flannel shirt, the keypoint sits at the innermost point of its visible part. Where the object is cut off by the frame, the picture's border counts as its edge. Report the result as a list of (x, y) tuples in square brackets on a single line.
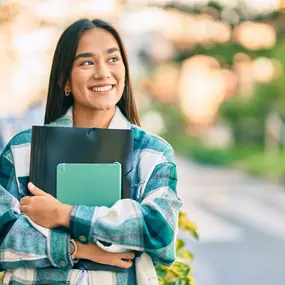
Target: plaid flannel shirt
[(31, 254)]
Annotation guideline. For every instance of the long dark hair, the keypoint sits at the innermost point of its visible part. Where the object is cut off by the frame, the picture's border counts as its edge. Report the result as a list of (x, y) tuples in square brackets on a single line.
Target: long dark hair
[(57, 102)]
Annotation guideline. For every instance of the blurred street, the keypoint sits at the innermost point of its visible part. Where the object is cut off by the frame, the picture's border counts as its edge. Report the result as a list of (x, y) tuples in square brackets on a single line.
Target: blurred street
[(240, 220)]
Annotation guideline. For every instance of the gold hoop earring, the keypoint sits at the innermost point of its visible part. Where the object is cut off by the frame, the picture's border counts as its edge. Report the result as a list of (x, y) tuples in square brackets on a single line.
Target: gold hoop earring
[(67, 93)]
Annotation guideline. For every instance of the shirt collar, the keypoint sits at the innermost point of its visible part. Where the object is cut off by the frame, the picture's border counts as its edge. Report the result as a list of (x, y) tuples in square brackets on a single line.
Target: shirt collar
[(119, 121)]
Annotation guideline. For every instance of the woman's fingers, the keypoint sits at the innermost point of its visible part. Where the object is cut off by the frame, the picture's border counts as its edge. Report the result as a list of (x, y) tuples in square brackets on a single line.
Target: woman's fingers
[(127, 255), (25, 200), (119, 259), (125, 259), (35, 190), (24, 209), (124, 264)]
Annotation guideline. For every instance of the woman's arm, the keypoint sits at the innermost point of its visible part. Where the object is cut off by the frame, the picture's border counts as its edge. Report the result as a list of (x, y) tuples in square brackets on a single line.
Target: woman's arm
[(149, 224), (22, 242)]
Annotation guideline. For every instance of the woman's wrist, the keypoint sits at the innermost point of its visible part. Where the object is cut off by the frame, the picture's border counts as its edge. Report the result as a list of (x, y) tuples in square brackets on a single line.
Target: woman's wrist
[(64, 215), (79, 250), (83, 251), (89, 251)]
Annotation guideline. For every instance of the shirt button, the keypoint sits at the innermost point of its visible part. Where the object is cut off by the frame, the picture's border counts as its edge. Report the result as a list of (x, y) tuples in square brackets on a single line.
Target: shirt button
[(62, 263), (82, 238)]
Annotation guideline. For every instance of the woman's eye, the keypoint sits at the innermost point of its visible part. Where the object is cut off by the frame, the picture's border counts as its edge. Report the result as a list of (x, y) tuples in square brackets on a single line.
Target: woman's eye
[(86, 63), (113, 59)]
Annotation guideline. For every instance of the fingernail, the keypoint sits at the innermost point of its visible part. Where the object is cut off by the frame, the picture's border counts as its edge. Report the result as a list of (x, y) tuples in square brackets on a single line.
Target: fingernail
[(31, 185)]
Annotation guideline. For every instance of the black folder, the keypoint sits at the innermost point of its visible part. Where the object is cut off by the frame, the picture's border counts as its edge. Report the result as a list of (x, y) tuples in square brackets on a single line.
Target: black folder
[(53, 145)]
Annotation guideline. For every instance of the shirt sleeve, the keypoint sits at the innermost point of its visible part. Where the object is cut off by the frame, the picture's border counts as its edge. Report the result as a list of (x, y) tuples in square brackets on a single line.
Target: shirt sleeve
[(148, 224), (22, 242)]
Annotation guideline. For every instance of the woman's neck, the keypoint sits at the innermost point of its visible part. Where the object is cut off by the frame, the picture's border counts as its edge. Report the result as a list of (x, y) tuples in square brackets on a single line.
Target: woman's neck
[(90, 118)]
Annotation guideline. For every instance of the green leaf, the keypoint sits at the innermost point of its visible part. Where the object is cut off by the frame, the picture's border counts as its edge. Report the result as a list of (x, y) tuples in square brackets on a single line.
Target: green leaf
[(179, 244), (161, 272), (185, 254), (196, 235)]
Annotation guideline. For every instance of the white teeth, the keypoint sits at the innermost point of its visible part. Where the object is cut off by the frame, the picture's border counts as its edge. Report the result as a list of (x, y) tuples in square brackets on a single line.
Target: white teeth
[(100, 89)]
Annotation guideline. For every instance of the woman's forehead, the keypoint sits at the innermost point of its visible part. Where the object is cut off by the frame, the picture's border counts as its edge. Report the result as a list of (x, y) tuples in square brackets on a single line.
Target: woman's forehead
[(96, 39)]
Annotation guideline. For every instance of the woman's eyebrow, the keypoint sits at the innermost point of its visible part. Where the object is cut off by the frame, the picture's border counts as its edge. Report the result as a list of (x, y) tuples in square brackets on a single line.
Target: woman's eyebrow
[(112, 49), (85, 54), (91, 54)]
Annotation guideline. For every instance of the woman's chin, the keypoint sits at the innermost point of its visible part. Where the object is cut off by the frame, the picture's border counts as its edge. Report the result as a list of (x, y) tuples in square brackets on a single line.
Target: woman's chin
[(97, 105), (103, 107)]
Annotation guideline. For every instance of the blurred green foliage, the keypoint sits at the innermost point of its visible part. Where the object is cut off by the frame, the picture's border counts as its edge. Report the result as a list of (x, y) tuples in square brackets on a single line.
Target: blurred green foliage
[(245, 115)]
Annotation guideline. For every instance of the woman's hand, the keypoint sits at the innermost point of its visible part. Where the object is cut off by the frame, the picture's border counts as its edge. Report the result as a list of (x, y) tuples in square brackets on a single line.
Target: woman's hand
[(44, 209), (96, 254)]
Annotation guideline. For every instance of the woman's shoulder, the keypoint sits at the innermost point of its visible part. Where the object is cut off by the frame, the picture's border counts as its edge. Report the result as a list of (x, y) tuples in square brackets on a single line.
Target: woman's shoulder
[(146, 141)]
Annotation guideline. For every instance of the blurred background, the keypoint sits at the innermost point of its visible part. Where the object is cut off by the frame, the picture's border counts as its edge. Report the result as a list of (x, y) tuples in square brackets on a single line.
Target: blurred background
[(208, 77)]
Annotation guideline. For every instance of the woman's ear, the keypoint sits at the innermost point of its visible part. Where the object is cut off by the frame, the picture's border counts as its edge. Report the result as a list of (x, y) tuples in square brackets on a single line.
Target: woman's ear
[(67, 86)]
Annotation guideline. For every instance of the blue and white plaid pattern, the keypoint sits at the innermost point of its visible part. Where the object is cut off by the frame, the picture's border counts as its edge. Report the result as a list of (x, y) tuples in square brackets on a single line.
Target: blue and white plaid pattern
[(147, 222)]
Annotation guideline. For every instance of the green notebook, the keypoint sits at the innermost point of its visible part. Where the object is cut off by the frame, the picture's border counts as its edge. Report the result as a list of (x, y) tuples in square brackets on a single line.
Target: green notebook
[(93, 184)]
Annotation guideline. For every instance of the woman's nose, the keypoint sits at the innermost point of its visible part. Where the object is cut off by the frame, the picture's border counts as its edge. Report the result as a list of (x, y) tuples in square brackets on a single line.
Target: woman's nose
[(101, 71)]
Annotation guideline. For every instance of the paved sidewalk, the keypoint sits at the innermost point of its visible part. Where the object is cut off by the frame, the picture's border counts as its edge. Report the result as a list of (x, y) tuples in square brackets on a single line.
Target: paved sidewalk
[(241, 224)]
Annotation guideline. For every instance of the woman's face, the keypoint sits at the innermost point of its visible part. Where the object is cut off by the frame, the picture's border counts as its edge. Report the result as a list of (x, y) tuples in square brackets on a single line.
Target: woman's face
[(98, 72)]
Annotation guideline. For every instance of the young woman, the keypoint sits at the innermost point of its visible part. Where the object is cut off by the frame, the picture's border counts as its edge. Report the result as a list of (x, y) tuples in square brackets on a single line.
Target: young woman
[(89, 87)]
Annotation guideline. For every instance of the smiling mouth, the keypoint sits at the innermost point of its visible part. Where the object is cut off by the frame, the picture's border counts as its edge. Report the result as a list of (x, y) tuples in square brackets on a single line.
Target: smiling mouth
[(102, 88)]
